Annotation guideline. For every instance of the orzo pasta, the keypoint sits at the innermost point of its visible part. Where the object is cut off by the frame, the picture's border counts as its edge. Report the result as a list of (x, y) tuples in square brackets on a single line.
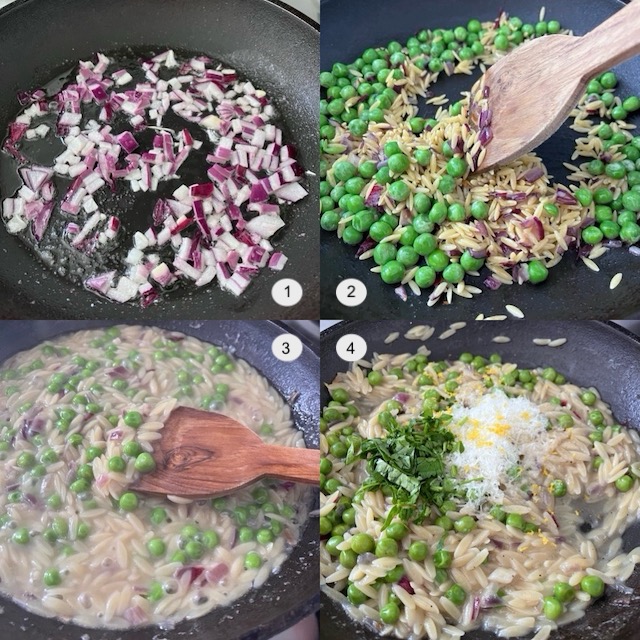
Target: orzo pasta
[(471, 493), (78, 418)]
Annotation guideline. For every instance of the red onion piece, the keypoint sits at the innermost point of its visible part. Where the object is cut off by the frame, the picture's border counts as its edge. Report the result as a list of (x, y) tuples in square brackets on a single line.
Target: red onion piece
[(533, 174), (406, 585), (564, 197), (401, 292)]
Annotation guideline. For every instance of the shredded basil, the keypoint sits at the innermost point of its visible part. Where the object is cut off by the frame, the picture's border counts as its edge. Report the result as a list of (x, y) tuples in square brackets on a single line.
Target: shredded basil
[(409, 463)]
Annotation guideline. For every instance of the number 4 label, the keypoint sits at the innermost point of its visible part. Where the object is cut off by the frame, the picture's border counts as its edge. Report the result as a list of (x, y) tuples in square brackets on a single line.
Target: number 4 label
[(351, 347)]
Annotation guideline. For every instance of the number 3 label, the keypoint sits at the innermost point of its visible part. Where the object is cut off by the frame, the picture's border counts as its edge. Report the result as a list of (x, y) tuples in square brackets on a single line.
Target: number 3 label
[(351, 347), (286, 347)]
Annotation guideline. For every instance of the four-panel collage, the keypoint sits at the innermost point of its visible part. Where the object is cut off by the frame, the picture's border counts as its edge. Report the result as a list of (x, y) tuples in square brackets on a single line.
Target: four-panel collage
[(319, 320)]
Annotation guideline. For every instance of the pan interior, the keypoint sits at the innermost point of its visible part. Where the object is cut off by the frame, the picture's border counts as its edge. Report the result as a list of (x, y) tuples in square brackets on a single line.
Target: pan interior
[(564, 294), (596, 354), (133, 209), (287, 596), (263, 41)]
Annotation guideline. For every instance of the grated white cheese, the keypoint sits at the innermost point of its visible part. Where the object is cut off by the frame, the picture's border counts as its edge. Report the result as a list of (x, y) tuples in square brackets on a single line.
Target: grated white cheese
[(502, 440)]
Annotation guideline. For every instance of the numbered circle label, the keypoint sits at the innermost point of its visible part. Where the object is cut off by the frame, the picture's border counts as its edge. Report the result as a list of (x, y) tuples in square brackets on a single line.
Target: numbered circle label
[(287, 292), (286, 347), (351, 292), (351, 347)]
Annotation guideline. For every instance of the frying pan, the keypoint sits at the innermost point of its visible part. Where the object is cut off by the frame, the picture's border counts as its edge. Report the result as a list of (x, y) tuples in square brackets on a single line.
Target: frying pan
[(286, 597), (572, 291), (274, 46), (596, 354)]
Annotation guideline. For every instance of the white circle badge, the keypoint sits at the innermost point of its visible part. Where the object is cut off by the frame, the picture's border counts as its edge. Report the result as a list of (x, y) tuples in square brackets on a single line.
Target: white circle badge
[(287, 292), (351, 347), (287, 347), (351, 292)]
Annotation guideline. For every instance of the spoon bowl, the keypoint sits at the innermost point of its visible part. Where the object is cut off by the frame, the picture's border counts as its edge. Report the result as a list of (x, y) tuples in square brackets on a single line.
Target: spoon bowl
[(534, 88), (203, 454)]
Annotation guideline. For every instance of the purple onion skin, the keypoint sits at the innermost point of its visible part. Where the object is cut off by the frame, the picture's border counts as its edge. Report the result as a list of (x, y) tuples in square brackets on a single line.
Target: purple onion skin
[(564, 197), (492, 283), (485, 118), (486, 135)]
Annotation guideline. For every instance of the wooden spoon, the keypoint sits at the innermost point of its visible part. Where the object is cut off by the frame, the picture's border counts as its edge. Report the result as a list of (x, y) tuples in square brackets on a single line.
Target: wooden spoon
[(533, 89), (202, 453)]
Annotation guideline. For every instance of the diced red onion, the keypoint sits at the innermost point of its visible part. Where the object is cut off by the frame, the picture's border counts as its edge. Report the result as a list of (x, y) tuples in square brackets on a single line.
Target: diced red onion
[(533, 174), (401, 292), (564, 197)]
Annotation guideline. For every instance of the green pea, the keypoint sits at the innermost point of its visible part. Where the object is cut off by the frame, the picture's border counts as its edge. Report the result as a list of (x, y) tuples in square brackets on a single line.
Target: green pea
[(442, 559), (438, 260), (563, 591), (60, 527), (515, 520), (456, 167), (339, 449), (386, 547), (116, 463), (133, 419), (446, 184), (398, 191), (54, 501), (51, 577), (593, 585), (21, 536), (85, 472), (418, 551), (392, 272), (390, 613), (362, 543), (156, 547), (552, 607), (194, 549), (456, 594), (464, 524), (425, 277), (565, 420), (344, 170), (131, 449), (479, 210), (156, 592), (498, 513), (398, 163), (355, 596), (624, 483), (583, 196), (422, 156), (128, 501), (558, 488), (397, 530), (93, 452), (26, 460)]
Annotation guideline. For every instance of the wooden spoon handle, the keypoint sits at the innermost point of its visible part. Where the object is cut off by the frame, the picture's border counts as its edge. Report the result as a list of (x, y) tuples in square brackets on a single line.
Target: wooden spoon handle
[(613, 41), (287, 463)]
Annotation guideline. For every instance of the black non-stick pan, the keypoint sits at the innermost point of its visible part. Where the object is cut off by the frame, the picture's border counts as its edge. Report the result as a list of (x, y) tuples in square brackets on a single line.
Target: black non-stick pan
[(572, 290), (287, 596), (265, 41), (596, 354)]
